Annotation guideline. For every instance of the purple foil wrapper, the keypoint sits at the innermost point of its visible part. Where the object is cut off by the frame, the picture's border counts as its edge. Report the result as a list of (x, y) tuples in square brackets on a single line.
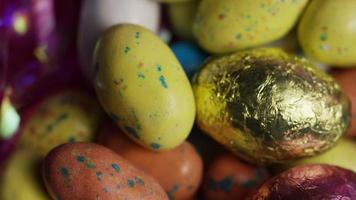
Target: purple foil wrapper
[(37, 52), (28, 44)]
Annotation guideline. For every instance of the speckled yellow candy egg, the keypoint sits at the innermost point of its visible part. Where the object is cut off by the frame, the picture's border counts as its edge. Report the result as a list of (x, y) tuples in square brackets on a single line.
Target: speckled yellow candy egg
[(171, 1), (142, 86), (227, 25), (66, 116), (342, 155), (181, 16), (21, 178), (327, 32), (270, 107)]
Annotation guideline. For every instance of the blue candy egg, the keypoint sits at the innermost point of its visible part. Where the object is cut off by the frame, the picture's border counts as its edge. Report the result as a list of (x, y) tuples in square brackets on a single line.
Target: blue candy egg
[(189, 55)]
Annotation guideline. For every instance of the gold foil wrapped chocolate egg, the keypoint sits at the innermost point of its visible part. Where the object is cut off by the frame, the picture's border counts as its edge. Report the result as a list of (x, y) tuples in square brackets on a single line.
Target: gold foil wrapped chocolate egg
[(269, 107)]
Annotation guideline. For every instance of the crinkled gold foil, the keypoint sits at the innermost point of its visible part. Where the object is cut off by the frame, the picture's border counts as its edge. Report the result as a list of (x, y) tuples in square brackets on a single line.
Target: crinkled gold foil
[(268, 106)]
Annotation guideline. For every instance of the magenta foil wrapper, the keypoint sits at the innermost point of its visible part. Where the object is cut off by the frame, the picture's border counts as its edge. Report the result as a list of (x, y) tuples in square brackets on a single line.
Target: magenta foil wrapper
[(37, 52), (28, 44)]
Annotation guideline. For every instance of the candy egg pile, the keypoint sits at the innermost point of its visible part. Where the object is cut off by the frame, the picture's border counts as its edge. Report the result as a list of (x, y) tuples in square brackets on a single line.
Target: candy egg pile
[(178, 100)]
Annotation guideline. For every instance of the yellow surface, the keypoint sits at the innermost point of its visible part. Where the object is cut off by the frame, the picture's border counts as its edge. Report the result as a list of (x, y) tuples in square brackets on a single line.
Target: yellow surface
[(327, 32), (68, 116), (171, 1), (20, 24), (228, 25), (181, 16), (143, 88), (342, 155), (21, 179)]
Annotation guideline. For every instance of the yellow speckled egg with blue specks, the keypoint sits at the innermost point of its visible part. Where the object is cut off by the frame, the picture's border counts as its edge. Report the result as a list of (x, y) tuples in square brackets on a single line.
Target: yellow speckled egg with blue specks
[(142, 86), (228, 25), (341, 155), (21, 178), (327, 32), (66, 116)]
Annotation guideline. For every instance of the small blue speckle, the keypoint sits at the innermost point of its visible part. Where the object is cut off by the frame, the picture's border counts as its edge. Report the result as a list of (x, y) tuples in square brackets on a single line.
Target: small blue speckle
[(130, 183), (155, 145), (238, 36), (114, 117), (224, 185), (71, 140), (174, 189), (163, 81), (64, 172), (132, 132), (141, 75), (99, 176), (80, 159), (115, 167), (137, 35), (127, 49), (62, 117)]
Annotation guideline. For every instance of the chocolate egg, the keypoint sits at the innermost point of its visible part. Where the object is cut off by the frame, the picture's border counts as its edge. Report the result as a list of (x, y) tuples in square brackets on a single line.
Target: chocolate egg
[(21, 178), (327, 32), (179, 170), (228, 178), (225, 26), (66, 116), (309, 182), (142, 86), (90, 171), (342, 155), (268, 106), (346, 78)]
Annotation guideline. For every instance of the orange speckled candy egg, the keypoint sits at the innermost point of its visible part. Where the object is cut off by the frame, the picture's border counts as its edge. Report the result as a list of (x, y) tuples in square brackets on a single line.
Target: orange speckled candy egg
[(90, 171), (347, 80), (179, 170), (229, 178), (66, 116)]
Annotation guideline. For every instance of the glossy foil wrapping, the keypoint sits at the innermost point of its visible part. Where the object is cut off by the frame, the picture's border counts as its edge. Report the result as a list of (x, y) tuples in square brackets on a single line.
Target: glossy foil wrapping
[(268, 106), (309, 182)]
